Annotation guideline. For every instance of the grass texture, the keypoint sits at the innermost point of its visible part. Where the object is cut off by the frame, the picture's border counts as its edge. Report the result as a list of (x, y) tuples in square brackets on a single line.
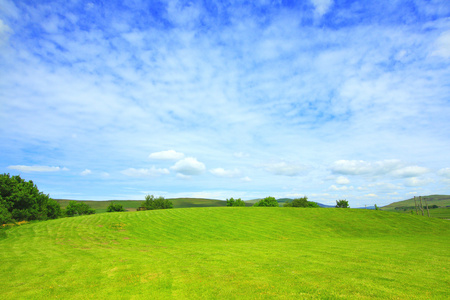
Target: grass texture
[(229, 253)]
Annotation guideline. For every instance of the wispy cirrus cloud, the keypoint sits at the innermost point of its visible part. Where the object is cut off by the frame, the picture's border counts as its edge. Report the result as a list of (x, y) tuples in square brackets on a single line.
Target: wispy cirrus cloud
[(23, 168), (152, 172), (167, 155), (276, 90)]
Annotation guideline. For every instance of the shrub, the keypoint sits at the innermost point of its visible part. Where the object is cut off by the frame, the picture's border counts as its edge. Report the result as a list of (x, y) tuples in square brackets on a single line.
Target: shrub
[(151, 203), (78, 208), (21, 200), (115, 207), (235, 202), (268, 201), (301, 202), (342, 204)]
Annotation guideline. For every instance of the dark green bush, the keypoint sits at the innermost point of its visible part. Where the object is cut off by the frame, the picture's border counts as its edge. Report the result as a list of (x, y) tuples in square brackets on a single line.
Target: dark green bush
[(268, 201), (115, 207), (342, 204), (21, 200), (235, 202), (301, 202), (151, 203), (78, 208)]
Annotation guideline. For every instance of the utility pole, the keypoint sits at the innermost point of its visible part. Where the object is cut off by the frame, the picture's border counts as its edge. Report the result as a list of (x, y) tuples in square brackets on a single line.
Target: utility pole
[(426, 203), (421, 205), (415, 205)]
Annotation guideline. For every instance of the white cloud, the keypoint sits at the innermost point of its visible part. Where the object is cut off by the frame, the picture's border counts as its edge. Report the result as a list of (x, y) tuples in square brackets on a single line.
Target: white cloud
[(341, 188), (285, 169), (361, 167), (37, 168), (241, 154), (414, 181), (220, 172), (371, 195), (444, 172), (167, 155), (189, 166), (86, 172), (152, 172), (322, 6), (411, 171), (392, 167), (246, 179), (442, 45), (342, 180)]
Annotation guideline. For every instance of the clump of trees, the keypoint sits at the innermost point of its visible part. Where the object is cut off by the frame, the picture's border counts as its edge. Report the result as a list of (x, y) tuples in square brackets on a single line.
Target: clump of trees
[(268, 201), (301, 202), (76, 208), (151, 203), (235, 202), (21, 200), (113, 207), (342, 204)]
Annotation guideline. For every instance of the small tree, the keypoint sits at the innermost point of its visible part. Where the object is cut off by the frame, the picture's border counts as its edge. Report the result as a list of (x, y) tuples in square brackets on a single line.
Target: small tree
[(151, 203), (235, 202), (301, 202), (342, 204), (78, 208), (268, 201), (376, 207), (112, 207)]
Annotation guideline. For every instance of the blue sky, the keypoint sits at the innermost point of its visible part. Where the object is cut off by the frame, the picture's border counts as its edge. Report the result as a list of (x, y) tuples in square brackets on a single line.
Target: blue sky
[(218, 99)]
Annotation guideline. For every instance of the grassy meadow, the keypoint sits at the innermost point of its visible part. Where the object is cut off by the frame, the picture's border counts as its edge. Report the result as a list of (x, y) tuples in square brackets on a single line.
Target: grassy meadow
[(229, 253)]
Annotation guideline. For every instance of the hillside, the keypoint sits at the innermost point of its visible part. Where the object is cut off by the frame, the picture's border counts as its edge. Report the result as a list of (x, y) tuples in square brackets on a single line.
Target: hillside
[(439, 200), (228, 253), (406, 206)]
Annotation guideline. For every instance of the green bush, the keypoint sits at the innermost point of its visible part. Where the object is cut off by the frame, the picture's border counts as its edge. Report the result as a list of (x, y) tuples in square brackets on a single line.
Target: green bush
[(235, 202), (78, 208), (151, 203), (342, 204), (268, 201), (115, 207), (21, 201), (301, 202)]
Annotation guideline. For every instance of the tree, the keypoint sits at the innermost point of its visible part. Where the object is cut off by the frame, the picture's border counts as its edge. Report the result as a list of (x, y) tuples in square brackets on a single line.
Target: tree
[(268, 201), (301, 202), (235, 202), (21, 200), (115, 207), (151, 203), (78, 208), (342, 204)]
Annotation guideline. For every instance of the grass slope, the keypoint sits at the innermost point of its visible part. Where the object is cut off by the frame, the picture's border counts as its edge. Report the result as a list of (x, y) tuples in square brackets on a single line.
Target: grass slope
[(229, 253), (405, 206)]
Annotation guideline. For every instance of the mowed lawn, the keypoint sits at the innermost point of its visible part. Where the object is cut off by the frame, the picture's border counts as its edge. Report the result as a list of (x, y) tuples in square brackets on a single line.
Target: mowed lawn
[(229, 253)]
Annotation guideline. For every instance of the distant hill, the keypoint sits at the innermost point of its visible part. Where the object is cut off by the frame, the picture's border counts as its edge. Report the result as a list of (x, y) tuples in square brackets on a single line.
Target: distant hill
[(407, 206), (132, 205), (281, 201), (439, 200)]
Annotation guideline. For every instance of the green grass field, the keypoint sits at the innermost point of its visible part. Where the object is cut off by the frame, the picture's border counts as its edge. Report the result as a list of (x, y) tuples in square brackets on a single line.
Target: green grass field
[(229, 253)]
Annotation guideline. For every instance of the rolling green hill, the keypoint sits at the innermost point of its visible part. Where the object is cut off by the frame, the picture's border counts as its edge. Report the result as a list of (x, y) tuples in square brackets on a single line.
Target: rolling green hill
[(132, 205), (406, 206), (229, 253)]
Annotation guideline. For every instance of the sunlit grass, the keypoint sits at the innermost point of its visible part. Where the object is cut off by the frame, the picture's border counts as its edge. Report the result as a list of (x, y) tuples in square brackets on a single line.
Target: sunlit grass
[(229, 253)]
